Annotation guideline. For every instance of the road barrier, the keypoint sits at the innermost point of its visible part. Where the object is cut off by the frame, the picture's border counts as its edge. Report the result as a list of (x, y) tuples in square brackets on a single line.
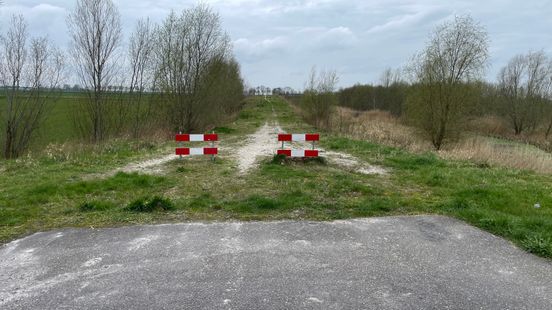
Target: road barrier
[(186, 151), (309, 137)]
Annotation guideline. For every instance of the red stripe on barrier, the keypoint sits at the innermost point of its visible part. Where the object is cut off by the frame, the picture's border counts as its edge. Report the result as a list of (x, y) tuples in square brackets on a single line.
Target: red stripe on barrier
[(182, 138), (182, 151), (311, 153), (284, 137), (312, 137), (284, 152), (210, 151), (206, 137), (289, 137), (210, 137), (306, 153)]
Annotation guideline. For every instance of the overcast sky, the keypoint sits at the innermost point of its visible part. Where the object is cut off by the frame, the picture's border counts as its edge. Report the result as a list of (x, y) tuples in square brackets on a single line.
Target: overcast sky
[(277, 42)]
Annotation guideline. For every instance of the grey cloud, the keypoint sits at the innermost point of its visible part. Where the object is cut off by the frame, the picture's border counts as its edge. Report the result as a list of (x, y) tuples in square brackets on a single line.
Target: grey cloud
[(277, 41)]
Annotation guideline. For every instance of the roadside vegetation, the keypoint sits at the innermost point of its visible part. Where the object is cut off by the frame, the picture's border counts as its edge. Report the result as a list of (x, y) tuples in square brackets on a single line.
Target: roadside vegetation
[(451, 143), (73, 189), (440, 102), (179, 75)]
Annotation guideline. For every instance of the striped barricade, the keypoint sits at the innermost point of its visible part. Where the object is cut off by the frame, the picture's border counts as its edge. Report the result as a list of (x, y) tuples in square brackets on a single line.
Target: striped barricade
[(187, 151), (309, 137)]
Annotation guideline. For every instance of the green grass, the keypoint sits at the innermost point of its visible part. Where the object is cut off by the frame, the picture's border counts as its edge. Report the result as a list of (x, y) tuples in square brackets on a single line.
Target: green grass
[(58, 125), (53, 191)]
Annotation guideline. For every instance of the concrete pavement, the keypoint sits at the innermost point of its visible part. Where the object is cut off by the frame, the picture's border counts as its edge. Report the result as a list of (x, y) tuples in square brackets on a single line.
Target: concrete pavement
[(422, 262)]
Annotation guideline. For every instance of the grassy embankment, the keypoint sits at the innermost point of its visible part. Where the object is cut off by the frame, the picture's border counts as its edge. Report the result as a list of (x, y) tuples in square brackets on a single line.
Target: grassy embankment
[(53, 190)]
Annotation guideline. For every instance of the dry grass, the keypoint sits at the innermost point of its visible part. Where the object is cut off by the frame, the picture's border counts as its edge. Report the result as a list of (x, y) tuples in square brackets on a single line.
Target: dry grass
[(490, 126), (379, 127), (383, 128), (494, 152), (497, 127)]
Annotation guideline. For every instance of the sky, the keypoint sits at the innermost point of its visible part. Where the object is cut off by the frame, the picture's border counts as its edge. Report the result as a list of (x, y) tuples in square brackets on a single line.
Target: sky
[(278, 42)]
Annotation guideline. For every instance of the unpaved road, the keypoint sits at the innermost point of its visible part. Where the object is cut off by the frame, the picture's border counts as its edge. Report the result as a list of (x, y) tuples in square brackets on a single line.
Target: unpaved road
[(425, 262), (261, 144)]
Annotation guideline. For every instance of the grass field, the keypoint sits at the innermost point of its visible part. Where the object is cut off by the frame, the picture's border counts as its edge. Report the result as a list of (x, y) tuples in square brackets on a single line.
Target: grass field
[(57, 126), (65, 187)]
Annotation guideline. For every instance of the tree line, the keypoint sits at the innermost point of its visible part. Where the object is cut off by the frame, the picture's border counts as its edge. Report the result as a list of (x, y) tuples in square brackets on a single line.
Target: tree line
[(443, 86), (179, 75)]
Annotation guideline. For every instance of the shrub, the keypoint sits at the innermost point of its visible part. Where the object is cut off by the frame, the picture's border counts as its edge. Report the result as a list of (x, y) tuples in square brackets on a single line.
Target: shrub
[(148, 204), (90, 206)]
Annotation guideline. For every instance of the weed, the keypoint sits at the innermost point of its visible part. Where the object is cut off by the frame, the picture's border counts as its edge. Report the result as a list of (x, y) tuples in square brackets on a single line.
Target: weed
[(538, 244), (182, 169), (148, 204)]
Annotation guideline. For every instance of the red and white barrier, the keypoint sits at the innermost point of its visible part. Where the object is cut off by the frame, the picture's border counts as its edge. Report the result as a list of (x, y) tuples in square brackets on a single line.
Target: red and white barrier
[(196, 138), (298, 153), (187, 151), (288, 137), (309, 137)]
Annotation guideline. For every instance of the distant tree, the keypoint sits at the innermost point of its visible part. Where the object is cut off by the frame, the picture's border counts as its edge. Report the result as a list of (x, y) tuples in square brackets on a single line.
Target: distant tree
[(30, 76), (95, 29), (548, 108), (456, 55), (524, 87), (319, 98)]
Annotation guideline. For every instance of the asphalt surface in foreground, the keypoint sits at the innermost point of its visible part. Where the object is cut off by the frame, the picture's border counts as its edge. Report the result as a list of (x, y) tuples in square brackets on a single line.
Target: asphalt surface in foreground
[(423, 262)]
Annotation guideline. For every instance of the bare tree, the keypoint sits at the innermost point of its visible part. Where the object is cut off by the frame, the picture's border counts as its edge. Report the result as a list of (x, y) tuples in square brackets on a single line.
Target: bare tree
[(319, 98), (30, 76), (548, 107), (523, 85), (456, 55), (141, 75), (187, 47), (95, 29)]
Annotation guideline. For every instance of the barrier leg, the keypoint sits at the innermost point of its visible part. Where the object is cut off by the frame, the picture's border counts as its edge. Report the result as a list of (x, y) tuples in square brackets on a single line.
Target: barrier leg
[(213, 145), (180, 144)]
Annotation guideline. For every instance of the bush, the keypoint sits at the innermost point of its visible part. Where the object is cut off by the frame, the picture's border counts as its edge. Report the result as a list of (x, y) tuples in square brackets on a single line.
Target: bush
[(148, 204), (319, 99)]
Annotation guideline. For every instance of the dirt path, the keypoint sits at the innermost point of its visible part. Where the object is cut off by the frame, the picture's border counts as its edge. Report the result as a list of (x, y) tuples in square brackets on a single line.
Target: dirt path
[(264, 142), (353, 164), (150, 166)]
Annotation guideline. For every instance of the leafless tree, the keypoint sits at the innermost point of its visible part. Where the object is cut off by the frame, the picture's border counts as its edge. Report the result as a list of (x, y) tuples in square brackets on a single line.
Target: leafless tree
[(319, 98), (95, 29), (548, 101), (30, 77), (523, 85), (390, 77), (456, 55), (187, 46), (141, 76)]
